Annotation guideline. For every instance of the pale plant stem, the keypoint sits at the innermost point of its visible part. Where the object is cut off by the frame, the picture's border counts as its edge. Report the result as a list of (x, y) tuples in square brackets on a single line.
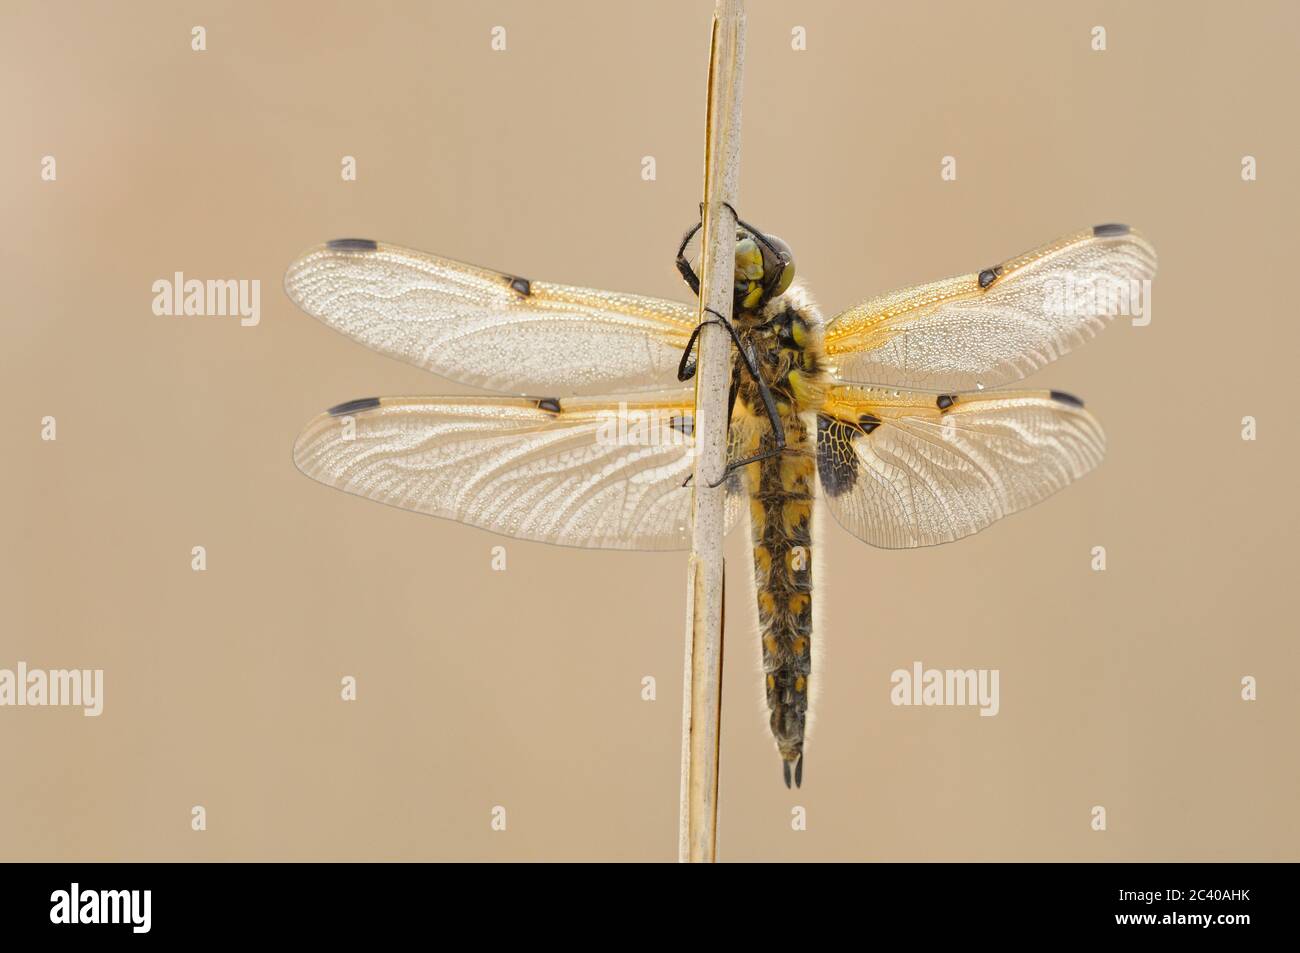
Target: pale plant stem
[(702, 692)]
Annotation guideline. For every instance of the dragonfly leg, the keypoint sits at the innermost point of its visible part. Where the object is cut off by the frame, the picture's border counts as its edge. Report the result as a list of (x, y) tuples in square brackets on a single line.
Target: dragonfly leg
[(731, 407), (688, 273), (773, 418), (758, 235), (778, 435), (756, 458), (686, 370)]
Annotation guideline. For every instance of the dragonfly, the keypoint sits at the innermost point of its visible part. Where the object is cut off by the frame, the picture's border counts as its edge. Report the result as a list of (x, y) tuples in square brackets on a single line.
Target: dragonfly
[(904, 415)]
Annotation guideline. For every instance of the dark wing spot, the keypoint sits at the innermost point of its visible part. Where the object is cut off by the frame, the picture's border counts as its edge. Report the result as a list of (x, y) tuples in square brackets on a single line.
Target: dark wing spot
[(990, 275), (1111, 228), (868, 422), (353, 244), (1065, 398), (946, 400), (549, 404), (837, 463), (683, 423), (353, 406), (522, 286)]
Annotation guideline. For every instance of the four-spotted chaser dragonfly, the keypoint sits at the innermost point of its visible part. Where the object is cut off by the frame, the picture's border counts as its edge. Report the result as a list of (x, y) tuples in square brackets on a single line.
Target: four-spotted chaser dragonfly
[(889, 406)]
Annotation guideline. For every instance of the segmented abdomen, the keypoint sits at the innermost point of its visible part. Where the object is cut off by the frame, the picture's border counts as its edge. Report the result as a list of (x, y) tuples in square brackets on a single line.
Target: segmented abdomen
[(781, 500), (786, 338)]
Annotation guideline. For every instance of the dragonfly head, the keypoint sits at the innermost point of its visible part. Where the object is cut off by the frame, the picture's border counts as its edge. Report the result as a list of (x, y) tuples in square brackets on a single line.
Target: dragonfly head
[(764, 268)]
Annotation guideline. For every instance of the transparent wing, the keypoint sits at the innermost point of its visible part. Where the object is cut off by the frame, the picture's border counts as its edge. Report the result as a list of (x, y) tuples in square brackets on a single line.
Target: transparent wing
[(489, 329), (905, 469), (593, 473), (998, 325)]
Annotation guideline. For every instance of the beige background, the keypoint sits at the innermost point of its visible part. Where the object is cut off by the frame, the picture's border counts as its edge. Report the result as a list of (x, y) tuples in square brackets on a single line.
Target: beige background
[(522, 688)]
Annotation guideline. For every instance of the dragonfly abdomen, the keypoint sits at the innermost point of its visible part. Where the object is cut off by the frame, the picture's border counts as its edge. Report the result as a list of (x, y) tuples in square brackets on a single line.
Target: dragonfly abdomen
[(787, 336), (781, 520)]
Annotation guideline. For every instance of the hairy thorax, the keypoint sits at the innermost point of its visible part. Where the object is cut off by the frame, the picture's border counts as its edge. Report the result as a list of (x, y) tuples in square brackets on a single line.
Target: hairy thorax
[(785, 336)]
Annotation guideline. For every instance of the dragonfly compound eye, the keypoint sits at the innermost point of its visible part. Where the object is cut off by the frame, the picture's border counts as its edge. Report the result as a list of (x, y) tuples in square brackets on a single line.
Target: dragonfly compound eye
[(778, 260)]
